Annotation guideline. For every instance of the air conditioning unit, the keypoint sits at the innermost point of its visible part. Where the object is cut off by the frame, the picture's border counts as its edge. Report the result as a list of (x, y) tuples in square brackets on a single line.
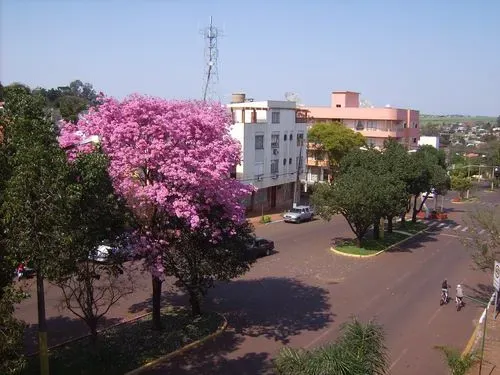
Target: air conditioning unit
[(275, 151)]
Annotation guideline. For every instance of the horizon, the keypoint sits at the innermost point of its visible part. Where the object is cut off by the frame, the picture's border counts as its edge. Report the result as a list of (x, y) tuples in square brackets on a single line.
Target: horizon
[(434, 57)]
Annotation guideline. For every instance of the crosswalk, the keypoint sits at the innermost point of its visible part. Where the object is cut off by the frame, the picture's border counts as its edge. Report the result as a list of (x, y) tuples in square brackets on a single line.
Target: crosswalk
[(454, 227)]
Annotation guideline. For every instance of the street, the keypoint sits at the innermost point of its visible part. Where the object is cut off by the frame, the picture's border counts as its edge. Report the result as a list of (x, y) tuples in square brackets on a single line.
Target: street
[(301, 295)]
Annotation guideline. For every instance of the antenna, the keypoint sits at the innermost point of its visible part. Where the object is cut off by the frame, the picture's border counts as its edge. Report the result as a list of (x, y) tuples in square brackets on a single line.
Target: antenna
[(211, 35)]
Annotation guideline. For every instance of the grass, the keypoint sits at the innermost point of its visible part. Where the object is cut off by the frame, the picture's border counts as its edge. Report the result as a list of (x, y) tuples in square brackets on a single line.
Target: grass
[(371, 246), (411, 227), (128, 346)]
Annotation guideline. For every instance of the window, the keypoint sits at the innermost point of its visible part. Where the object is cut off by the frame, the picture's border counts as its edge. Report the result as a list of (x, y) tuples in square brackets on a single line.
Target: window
[(360, 126), (338, 106), (275, 140), (414, 140), (254, 116), (259, 141), (284, 161), (275, 117), (290, 161), (274, 166), (291, 137), (371, 125), (284, 137), (300, 139)]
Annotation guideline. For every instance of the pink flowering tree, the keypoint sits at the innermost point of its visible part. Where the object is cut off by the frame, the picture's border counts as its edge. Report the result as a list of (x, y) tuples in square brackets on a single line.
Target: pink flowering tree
[(171, 160)]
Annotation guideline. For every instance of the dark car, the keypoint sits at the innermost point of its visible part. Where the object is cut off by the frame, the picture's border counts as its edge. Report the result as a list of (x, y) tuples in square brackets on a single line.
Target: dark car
[(260, 247)]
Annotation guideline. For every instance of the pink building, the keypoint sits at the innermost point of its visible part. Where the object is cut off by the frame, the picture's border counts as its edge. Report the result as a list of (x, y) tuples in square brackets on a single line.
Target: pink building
[(376, 124)]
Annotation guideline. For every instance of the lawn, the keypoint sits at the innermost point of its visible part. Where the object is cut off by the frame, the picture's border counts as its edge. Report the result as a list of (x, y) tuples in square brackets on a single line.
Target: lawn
[(411, 227), (371, 246), (128, 346)]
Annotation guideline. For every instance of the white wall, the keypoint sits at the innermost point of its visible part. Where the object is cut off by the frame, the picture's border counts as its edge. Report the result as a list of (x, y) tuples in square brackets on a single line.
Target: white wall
[(258, 162), (426, 140)]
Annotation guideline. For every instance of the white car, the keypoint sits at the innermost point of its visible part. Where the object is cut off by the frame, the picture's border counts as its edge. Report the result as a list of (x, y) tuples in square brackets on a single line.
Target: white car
[(429, 196)]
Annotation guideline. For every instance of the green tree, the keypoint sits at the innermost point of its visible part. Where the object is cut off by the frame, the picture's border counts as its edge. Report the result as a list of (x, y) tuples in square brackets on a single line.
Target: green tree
[(98, 216), (197, 261), (71, 107), (429, 167), (461, 184), (11, 330), (498, 121), (360, 349), (355, 195), (34, 210), (334, 139)]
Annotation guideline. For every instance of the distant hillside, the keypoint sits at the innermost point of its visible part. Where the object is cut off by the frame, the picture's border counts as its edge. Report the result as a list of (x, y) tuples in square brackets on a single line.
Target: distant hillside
[(455, 119)]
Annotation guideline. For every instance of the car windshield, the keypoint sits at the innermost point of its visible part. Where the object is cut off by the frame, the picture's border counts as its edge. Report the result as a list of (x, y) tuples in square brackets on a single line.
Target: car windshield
[(296, 210)]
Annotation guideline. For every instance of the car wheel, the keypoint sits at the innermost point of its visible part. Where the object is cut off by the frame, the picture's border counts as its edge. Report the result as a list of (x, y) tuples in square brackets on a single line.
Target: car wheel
[(268, 252)]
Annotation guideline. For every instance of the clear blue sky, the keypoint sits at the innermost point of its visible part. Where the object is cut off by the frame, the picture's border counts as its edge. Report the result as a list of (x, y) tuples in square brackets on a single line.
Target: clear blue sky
[(438, 56)]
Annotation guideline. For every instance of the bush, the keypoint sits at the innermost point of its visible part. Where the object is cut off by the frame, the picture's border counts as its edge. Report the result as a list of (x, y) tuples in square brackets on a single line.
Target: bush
[(265, 219)]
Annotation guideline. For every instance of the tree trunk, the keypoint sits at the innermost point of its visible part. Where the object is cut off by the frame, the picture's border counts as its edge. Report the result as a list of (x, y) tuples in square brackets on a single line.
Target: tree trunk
[(194, 300), (376, 230), (358, 241), (389, 224), (415, 211), (93, 330), (156, 303), (42, 325), (403, 219)]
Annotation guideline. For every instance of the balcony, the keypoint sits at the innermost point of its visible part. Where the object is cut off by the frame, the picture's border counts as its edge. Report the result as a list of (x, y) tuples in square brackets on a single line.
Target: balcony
[(312, 162)]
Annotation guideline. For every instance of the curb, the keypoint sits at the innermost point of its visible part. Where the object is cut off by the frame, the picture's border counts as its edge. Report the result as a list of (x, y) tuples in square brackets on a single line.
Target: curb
[(332, 249), (222, 327), (475, 334)]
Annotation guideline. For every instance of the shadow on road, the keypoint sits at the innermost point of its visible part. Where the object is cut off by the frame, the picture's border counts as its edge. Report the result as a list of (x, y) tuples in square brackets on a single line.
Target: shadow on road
[(60, 329), (271, 308), (480, 291), (414, 243)]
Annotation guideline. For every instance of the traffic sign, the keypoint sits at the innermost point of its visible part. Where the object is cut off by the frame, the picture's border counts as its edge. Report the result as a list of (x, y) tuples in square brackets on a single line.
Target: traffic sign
[(496, 276)]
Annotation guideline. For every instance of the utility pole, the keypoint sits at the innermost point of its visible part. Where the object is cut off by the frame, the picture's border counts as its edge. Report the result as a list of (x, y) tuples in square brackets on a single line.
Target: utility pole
[(296, 193)]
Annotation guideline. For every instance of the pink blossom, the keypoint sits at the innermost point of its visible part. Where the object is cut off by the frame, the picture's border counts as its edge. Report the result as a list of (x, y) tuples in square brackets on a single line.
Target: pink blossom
[(176, 155)]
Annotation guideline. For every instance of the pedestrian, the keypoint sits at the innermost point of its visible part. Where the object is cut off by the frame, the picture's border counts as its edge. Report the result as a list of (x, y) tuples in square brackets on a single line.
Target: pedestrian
[(20, 271)]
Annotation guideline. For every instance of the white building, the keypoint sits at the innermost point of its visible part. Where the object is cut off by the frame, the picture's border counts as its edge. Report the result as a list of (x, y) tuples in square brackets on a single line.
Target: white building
[(273, 138), (427, 140)]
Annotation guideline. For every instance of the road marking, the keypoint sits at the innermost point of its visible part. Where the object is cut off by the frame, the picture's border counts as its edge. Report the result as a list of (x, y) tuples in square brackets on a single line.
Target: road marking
[(457, 227), (398, 359), (482, 231), (433, 316), (447, 227), (463, 230), (449, 235), (318, 338), (441, 225), (432, 223)]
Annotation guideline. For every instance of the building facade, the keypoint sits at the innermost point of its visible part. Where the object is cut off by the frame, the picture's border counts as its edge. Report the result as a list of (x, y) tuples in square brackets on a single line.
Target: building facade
[(376, 124), (273, 138)]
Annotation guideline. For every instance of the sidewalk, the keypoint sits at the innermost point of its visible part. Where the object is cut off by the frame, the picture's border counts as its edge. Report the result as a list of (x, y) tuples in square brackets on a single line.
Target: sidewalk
[(491, 361), (276, 215)]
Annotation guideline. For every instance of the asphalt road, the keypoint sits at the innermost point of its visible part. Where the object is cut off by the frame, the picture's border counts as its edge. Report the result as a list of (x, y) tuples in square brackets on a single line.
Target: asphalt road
[(300, 296)]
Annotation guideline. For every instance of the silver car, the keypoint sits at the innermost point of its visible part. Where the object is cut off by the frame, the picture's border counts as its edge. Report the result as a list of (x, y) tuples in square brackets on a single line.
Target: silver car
[(298, 214)]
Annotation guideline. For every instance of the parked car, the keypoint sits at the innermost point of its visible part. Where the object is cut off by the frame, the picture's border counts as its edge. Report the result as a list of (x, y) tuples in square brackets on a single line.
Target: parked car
[(105, 253), (429, 195), (259, 247), (299, 214)]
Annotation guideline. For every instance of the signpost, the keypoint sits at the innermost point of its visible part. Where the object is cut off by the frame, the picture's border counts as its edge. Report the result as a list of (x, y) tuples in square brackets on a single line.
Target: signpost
[(496, 284)]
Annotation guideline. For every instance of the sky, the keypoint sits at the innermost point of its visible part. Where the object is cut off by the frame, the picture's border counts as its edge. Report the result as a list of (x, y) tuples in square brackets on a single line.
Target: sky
[(437, 56)]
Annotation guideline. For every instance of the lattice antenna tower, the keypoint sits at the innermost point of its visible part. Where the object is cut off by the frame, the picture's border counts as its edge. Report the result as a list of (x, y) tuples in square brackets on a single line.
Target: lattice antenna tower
[(211, 35)]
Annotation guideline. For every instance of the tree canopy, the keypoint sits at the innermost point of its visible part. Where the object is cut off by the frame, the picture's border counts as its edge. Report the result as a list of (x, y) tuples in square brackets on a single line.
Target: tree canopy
[(334, 139)]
